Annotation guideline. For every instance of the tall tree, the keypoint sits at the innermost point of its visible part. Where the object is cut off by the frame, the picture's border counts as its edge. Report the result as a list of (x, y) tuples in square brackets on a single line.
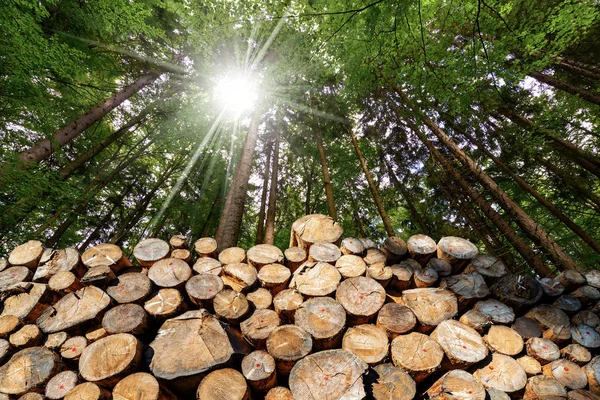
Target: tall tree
[(260, 228), (270, 224)]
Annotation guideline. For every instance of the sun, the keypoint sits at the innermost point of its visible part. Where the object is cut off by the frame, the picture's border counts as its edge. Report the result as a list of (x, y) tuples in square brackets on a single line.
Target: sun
[(237, 93)]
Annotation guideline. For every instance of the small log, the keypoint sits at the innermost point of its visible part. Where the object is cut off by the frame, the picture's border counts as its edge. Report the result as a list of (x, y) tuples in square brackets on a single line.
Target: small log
[(99, 276), (392, 383), (72, 348), (5, 349), (592, 372), (402, 277), (149, 251), (457, 385), (571, 279), (241, 277), (28, 336), (105, 255), (178, 242), (351, 266), (395, 249), (498, 312), (315, 228), (28, 370), (26, 255), (396, 319), (530, 365), (380, 273), (442, 267), (368, 342), (13, 275), (142, 386), (586, 317), (61, 384), (362, 298), (203, 288), (183, 255), (131, 287), (73, 310), (527, 328), (489, 267), (431, 306), (274, 277), (8, 325), (551, 287), (223, 384), (286, 303), (493, 394), (279, 393), (425, 277), (543, 350), (60, 261), (208, 265), (294, 257), (231, 305), (316, 279), (544, 388), (368, 243), (55, 340), (287, 344), (463, 345), (569, 304), (592, 278), (502, 339), (232, 255), (458, 252), (166, 303), (29, 304), (64, 282), (258, 368), (476, 320), (258, 326), (582, 395), (261, 298), (375, 256), (518, 291), (576, 353), (264, 254), (421, 248), (567, 373), (88, 391), (324, 252), (125, 318), (585, 336), (206, 247), (553, 322), (169, 273), (324, 319), (329, 374), (417, 354), (352, 246), (95, 332), (468, 288), (502, 373), (586, 294)]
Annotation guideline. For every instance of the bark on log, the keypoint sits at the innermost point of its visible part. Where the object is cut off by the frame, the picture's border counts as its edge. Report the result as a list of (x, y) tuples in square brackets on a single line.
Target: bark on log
[(241, 277), (458, 252), (417, 354), (206, 247), (463, 345), (431, 306), (288, 344), (396, 319), (294, 257), (502, 373), (223, 384), (149, 251), (315, 228), (362, 298), (456, 385), (28, 370), (258, 368), (274, 277), (402, 277), (286, 303), (324, 319), (392, 383), (421, 248)]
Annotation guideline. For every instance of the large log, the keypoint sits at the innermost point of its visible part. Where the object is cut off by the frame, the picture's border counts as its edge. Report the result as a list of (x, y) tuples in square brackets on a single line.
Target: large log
[(544, 388), (64, 282), (261, 298), (258, 368), (105, 255), (142, 386), (417, 354), (505, 340), (518, 291), (61, 384), (392, 383), (274, 277), (315, 228), (368, 342), (131, 287), (567, 373), (149, 251), (585, 336), (527, 328), (351, 266), (223, 384), (463, 345), (543, 350), (28, 370), (169, 273), (316, 279), (264, 254), (396, 319), (421, 248), (30, 304), (166, 303), (361, 297), (456, 385), (60, 260), (458, 252), (258, 326), (502, 373), (202, 289), (27, 255), (287, 344), (324, 319), (576, 353), (231, 305), (431, 306), (553, 322)]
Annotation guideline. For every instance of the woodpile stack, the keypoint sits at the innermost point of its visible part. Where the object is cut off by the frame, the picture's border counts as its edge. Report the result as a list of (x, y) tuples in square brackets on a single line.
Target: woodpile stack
[(329, 318)]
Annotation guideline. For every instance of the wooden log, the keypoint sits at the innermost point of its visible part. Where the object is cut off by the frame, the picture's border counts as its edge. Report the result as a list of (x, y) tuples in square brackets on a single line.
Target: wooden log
[(462, 345), (223, 384), (61, 384), (567, 373), (396, 319), (351, 266), (489, 267), (362, 298), (28, 336), (457, 385), (458, 252), (392, 383), (131, 287), (8, 325), (5, 349), (374, 256), (425, 277), (95, 332), (585, 336), (55, 340), (329, 374), (203, 288), (149, 251), (324, 319), (518, 291), (258, 368), (576, 353), (592, 371), (368, 342), (395, 249), (368, 243), (73, 347), (431, 306), (125, 318), (264, 254), (166, 303), (73, 310), (582, 395), (60, 261), (543, 350), (287, 344), (274, 277), (402, 277), (569, 304), (571, 279), (231, 306), (502, 373), (183, 255), (476, 320), (88, 391), (279, 393), (240, 277), (551, 287), (527, 328), (553, 322), (206, 247), (316, 279), (380, 273), (208, 265), (169, 273), (502, 339), (294, 257), (142, 386), (324, 252), (261, 298), (99, 276), (468, 288), (592, 278), (544, 388), (29, 304), (417, 354), (3, 264), (178, 242), (530, 365), (26, 255), (586, 294), (586, 317), (258, 326), (315, 228), (498, 312), (12, 275), (232, 255), (28, 370), (286, 303), (105, 255), (493, 394), (64, 282), (421, 248), (352, 246), (442, 267)]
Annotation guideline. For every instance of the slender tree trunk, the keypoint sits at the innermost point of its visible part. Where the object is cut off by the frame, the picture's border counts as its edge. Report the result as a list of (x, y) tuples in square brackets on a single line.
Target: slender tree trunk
[(357, 219), (46, 147), (584, 94), (270, 224), (589, 71), (96, 232), (387, 223), (215, 206), (231, 218), (263, 198), (326, 178)]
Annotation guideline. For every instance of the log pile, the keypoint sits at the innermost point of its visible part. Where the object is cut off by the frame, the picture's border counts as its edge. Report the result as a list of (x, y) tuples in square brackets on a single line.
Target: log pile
[(328, 318)]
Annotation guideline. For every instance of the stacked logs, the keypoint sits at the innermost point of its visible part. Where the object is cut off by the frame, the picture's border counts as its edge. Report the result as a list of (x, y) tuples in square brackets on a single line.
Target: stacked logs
[(329, 318)]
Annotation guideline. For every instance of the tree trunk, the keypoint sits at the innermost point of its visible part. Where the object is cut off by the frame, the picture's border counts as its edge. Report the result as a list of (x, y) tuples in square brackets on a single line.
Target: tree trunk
[(231, 218), (45, 148), (567, 87), (270, 224), (529, 226), (326, 178), (215, 206), (263, 198), (589, 71), (387, 223), (96, 232)]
